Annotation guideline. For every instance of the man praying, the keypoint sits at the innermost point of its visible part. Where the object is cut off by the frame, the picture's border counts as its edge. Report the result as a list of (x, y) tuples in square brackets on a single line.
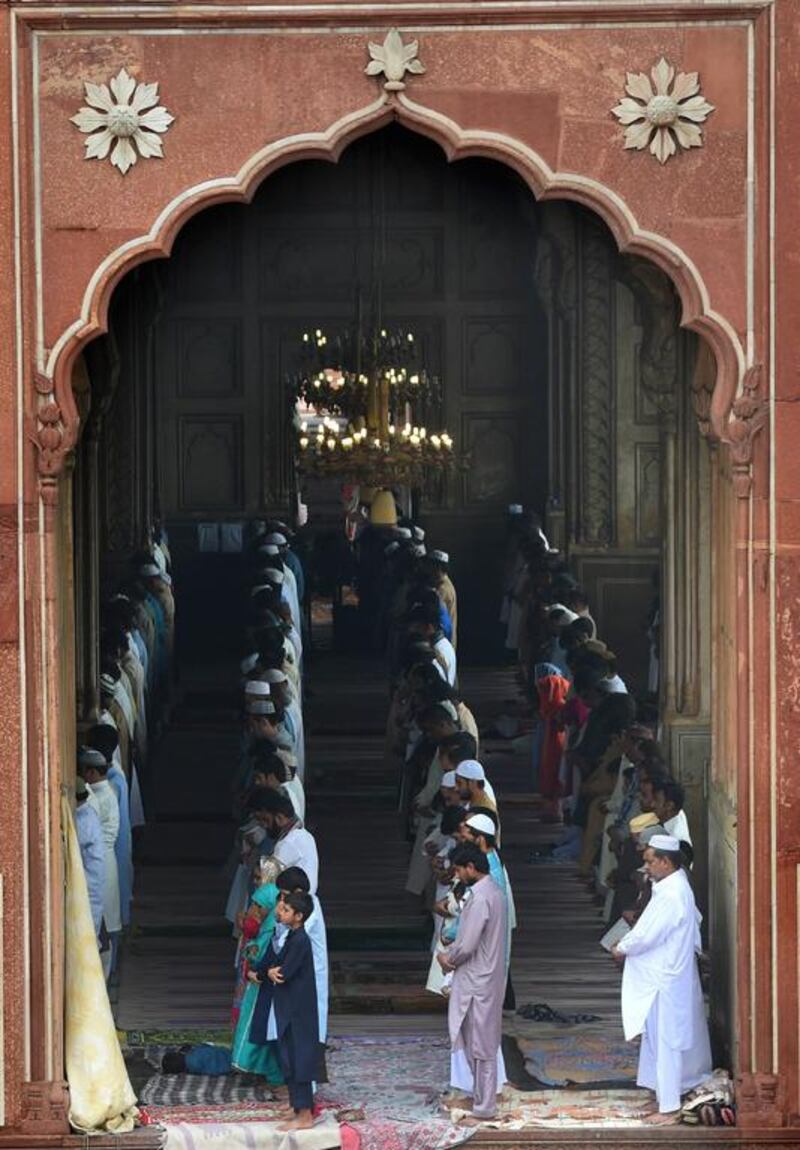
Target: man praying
[(478, 959), (661, 994)]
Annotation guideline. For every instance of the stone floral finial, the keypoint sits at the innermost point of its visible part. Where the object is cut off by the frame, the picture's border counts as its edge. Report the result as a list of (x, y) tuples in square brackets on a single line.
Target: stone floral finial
[(394, 59), (663, 114), (124, 116)]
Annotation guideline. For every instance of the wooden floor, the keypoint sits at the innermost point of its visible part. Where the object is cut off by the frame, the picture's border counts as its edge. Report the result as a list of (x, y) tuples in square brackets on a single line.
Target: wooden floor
[(177, 970)]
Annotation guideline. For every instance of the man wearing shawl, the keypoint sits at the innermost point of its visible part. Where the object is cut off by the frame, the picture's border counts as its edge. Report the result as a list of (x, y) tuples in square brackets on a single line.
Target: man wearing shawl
[(661, 994)]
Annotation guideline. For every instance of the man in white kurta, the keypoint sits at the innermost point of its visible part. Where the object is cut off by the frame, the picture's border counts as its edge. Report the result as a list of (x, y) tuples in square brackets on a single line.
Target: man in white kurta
[(93, 767), (661, 994), (294, 845)]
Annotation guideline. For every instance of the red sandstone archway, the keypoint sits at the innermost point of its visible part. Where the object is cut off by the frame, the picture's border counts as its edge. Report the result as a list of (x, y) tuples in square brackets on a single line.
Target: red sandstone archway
[(457, 143)]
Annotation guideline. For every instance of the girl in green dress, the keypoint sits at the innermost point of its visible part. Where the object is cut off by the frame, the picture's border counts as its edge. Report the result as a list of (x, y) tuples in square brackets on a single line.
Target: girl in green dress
[(257, 930)]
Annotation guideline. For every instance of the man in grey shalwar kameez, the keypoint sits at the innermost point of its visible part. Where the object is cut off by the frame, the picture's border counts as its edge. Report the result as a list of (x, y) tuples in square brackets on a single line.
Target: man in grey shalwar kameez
[(478, 960)]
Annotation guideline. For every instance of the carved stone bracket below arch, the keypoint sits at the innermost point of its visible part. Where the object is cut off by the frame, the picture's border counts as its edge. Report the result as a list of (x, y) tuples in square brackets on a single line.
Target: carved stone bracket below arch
[(748, 416), (49, 436)]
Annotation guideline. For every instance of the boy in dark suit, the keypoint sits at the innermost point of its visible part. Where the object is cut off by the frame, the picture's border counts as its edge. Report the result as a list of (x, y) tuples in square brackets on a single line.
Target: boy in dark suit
[(290, 972)]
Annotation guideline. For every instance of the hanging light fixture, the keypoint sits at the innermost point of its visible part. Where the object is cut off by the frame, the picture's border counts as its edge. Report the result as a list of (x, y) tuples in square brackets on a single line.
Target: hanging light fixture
[(363, 398), (361, 404)]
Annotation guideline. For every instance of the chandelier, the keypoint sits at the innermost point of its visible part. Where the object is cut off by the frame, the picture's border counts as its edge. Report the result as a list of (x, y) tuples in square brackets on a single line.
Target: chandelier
[(361, 405)]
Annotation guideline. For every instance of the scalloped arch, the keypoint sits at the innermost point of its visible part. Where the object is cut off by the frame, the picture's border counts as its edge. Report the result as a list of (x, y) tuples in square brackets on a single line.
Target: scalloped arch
[(457, 143)]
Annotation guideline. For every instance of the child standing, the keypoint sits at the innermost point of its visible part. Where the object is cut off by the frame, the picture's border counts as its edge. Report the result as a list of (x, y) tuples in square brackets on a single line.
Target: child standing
[(290, 975)]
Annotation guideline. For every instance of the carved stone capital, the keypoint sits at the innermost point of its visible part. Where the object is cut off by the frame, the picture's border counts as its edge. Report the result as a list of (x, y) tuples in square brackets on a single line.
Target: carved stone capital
[(748, 416)]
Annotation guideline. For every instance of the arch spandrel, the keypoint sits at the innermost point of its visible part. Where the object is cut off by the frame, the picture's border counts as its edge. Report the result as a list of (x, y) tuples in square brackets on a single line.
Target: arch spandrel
[(414, 109)]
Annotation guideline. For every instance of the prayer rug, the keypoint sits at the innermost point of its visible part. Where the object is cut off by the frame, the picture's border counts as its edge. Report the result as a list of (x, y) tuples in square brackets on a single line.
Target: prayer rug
[(388, 1091), (234, 1135), (202, 1089), (577, 1057), (217, 1113), (564, 1109)]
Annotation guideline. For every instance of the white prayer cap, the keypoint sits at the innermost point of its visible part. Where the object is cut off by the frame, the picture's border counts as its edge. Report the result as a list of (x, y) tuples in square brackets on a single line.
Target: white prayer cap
[(404, 532), (257, 687), (439, 556), (275, 675), (89, 757), (269, 549), (390, 550), (471, 769), (482, 824), (246, 665), (664, 843), (449, 779), (259, 707), (418, 550), (273, 574), (276, 538), (418, 533), (260, 587), (515, 509), (564, 615)]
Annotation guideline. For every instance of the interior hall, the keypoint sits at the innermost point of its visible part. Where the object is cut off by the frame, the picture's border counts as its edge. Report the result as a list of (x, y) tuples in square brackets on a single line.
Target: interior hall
[(558, 473)]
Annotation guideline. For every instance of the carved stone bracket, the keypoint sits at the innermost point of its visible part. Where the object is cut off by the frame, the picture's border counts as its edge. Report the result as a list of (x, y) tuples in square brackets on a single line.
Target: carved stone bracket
[(49, 436), (45, 1108), (748, 416), (760, 1099)]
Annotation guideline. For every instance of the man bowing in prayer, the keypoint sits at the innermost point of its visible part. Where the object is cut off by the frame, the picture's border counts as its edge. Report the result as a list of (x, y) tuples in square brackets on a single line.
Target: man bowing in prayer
[(478, 960), (661, 994)]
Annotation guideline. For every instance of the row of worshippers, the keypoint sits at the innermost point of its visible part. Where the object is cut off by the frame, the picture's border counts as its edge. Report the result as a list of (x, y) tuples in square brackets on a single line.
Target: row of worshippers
[(277, 919), (449, 809), (598, 765), (137, 639), (396, 569)]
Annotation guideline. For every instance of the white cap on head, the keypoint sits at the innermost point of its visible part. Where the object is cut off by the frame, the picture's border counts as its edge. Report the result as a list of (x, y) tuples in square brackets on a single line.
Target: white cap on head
[(404, 532), (449, 779), (91, 757), (565, 616), (471, 769), (260, 587), (277, 539), (275, 675), (439, 556), (269, 549), (418, 533), (247, 664), (273, 574), (418, 549), (664, 843), (257, 687), (482, 824)]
